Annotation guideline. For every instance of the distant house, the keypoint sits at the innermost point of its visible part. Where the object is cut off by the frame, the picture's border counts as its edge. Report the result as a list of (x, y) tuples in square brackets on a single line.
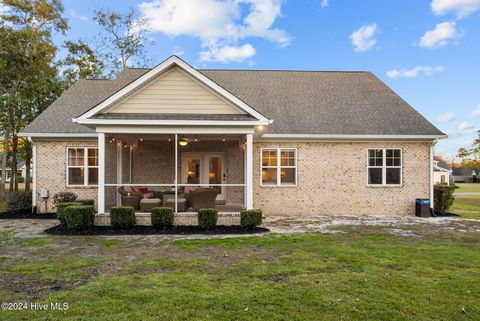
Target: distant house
[(466, 175), (21, 169), (442, 173)]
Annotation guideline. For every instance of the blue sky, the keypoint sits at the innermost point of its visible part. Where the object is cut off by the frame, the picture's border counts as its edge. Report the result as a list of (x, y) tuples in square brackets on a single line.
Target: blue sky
[(427, 51)]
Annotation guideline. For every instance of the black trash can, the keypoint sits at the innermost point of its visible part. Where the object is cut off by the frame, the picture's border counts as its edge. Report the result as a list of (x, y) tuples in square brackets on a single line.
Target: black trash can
[(422, 207)]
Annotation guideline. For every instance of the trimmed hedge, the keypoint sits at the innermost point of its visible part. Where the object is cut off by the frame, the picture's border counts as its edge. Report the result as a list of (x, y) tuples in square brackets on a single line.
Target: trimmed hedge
[(61, 210), (443, 197), (249, 219), (207, 218), (86, 202), (64, 197), (20, 201), (162, 216), (80, 217), (122, 217)]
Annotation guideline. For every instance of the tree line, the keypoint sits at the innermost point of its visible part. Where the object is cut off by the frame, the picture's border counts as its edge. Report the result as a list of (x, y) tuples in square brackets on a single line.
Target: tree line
[(32, 76)]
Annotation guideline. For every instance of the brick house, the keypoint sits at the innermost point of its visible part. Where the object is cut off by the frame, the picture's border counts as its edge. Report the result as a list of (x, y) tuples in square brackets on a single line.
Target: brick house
[(293, 143)]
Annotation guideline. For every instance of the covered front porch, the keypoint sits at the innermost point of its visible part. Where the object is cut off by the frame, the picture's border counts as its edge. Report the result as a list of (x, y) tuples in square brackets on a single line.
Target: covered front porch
[(185, 170)]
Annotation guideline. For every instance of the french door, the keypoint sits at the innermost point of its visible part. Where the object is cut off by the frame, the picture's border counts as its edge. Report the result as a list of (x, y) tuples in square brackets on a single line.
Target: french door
[(205, 168)]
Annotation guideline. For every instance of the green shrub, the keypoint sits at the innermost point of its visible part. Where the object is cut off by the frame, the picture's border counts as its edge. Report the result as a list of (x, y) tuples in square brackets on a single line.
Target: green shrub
[(80, 217), (207, 218), (122, 217), (20, 201), (61, 210), (443, 197), (64, 197), (86, 202), (250, 218), (162, 216), (20, 179)]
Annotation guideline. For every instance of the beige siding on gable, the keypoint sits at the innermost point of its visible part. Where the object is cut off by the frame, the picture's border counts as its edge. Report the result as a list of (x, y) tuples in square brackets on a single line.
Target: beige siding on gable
[(175, 93)]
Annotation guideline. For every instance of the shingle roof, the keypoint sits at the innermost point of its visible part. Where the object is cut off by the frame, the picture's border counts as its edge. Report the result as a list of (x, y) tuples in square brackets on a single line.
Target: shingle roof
[(441, 162), (299, 102)]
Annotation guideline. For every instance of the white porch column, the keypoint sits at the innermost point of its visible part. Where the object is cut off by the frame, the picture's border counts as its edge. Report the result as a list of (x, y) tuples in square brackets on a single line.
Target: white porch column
[(249, 172), (101, 173), (119, 169), (176, 173)]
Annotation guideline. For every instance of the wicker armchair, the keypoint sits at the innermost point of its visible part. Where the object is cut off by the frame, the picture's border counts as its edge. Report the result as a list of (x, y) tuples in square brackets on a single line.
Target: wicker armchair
[(202, 198)]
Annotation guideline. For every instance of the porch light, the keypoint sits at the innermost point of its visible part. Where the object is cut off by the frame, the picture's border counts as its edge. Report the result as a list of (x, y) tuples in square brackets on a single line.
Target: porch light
[(183, 142), (223, 139), (141, 139)]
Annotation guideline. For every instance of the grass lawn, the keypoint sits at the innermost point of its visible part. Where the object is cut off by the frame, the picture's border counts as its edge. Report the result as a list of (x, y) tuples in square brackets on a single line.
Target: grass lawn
[(461, 187), (468, 206), (364, 273)]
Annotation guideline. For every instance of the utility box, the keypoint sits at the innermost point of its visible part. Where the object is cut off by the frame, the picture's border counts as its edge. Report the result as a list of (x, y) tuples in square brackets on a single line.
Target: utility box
[(422, 207)]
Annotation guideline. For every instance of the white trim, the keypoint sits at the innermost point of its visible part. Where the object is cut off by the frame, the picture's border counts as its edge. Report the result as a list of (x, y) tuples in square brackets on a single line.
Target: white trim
[(173, 184), (59, 135), (132, 129), (279, 166), (85, 167), (169, 122), (101, 173), (267, 136), (173, 60), (34, 173), (384, 167), (249, 172)]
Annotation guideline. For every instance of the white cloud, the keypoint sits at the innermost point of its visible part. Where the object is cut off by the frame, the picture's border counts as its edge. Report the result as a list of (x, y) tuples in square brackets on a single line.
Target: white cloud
[(414, 72), (74, 15), (228, 53), (324, 3), (177, 51), (446, 117), (476, 111), (465, 125), (461, 8), (364, 39), (440, 35), (220, 24)]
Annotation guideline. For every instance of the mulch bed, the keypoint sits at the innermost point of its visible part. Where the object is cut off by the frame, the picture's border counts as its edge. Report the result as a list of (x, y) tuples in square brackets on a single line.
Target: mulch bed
[(149, 230), (26, 214)]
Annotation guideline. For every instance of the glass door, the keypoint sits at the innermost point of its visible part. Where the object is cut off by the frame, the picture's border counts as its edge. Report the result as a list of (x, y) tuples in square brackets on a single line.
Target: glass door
[(215, 173)]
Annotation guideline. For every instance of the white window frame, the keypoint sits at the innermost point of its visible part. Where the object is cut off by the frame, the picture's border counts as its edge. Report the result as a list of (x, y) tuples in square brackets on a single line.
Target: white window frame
[(278, 150), (384, 167), (85, 167)]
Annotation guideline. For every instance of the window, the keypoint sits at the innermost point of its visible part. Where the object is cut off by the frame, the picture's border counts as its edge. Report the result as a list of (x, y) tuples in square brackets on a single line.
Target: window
[(384, 166), (82, 166), (279, 167)]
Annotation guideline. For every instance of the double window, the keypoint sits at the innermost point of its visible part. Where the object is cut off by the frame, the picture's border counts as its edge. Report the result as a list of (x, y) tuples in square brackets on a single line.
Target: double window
[(279, 166), (82, 166), (385, 166)]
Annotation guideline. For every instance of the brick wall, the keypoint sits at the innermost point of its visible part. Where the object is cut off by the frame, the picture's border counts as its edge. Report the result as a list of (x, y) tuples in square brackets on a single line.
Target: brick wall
[(332, 180), (52, 171)]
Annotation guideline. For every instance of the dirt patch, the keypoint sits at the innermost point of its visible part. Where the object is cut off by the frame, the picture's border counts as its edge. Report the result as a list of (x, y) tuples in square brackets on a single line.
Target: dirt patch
[(149, 230)]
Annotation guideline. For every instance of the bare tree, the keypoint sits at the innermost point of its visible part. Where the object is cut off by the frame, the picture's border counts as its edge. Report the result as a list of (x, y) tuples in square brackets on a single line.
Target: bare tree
[(123, 39)]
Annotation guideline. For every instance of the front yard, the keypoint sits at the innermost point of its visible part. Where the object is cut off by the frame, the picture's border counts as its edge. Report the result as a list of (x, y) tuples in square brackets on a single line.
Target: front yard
[(411, 271)]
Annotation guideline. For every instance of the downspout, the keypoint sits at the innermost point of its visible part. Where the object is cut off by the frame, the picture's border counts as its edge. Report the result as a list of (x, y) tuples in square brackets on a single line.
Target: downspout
[(431, 172)]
